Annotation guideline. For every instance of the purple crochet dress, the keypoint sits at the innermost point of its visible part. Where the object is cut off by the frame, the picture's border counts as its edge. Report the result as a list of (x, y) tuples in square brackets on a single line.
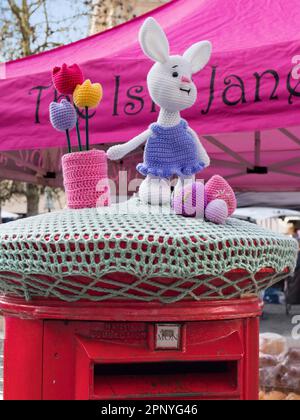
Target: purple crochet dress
[(170, 151)]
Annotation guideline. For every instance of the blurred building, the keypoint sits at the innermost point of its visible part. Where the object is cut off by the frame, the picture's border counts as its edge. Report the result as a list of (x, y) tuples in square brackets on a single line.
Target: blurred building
[(18, 204), (109, 13), (141, 6)]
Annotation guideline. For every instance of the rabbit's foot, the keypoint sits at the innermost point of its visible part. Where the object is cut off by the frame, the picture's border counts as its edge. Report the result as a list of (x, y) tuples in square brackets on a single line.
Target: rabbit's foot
[(217, 212), (155, 191)]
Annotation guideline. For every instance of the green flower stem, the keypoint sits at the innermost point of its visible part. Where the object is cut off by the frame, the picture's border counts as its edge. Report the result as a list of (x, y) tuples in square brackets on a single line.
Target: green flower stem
[(87, 128), (78, 135), (69, 141)]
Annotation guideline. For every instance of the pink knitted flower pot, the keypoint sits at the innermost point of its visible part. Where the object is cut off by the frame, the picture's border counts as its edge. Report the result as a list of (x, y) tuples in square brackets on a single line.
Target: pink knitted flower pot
[(86, 179)]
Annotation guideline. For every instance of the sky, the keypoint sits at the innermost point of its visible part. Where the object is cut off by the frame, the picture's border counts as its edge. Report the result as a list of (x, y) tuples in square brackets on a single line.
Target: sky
[(63, 10), (63, 14)]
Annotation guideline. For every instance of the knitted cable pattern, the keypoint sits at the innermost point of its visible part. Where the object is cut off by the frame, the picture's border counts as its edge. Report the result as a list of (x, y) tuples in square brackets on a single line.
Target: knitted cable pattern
[(170, 151), (104, 254), (86, 179)]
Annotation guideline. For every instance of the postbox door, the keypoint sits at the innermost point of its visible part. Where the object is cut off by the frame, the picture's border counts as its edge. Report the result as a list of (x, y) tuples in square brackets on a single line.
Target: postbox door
[(117, 360), (209, 367)]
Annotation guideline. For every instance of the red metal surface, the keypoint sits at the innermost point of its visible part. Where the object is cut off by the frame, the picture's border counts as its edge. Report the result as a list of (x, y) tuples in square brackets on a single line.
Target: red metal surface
[(240, 280), (23, 359), (132, 311), (108, 351)]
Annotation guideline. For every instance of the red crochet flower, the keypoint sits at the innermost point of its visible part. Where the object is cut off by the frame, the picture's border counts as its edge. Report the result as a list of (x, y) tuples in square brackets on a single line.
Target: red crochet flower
[(66, 78)]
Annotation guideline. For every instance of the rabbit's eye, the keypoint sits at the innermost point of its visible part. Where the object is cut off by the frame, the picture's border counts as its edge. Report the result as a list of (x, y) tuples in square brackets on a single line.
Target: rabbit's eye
[(175, 74)]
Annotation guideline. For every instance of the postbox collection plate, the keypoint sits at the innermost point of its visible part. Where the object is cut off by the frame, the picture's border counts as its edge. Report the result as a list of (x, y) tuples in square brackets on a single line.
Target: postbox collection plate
[(167, 337)]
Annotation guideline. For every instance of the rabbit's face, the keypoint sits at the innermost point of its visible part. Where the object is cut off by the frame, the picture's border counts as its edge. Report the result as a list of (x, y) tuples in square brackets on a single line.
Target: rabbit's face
[(171, 85), (170, 79)]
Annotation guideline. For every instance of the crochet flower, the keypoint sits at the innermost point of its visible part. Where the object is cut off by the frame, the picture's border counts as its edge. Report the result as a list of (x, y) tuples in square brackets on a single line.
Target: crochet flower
[(66, 78), (63, 115), (88, 95)]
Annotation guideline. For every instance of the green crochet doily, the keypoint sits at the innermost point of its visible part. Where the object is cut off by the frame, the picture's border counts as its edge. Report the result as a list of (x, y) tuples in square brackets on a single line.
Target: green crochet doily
[(105, 254)]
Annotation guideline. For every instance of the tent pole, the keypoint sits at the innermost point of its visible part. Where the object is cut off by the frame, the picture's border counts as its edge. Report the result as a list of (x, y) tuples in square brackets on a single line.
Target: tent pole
[(282, 172), (20, 162), (237, 175), (257, 148), (227, 163), (289, 162), (229, 151), (290, 135), (14, 175)]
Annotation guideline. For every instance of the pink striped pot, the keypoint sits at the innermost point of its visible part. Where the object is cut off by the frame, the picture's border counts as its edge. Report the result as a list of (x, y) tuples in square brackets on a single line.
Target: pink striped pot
[(86, 179)]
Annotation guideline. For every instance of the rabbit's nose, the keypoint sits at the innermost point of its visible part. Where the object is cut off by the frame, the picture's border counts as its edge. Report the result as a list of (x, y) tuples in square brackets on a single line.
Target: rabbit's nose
[(185, 79)]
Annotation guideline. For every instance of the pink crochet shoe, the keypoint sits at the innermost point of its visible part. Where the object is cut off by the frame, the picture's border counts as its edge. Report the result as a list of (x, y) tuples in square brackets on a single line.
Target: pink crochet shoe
[(86, 179), (217, 188), (189, 200)]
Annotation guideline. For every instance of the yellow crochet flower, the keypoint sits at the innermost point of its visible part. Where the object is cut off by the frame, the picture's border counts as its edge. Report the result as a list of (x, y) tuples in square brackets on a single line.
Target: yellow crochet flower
[(88, 95)]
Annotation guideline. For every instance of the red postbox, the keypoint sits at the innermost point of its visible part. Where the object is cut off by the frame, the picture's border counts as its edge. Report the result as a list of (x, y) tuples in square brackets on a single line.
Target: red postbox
[(206, 350), (137, 306)]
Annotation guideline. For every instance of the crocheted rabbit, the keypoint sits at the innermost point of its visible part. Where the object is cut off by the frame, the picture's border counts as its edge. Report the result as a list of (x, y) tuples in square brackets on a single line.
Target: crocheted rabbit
[(172, 147)]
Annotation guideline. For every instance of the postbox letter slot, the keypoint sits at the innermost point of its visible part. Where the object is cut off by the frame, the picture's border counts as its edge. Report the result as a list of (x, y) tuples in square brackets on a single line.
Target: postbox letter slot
[(165, 379)]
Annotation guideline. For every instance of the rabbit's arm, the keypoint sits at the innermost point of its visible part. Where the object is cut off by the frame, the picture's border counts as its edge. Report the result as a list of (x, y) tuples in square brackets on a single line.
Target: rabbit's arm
[(202, 152), (121, 150)]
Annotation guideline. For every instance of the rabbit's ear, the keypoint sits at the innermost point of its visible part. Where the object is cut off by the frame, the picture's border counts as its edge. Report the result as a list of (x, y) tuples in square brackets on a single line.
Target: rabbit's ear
[(154, 41), (198, 55)]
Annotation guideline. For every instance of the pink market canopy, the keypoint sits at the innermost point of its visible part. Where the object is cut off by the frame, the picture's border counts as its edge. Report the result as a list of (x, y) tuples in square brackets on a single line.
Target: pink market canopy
[(248, 109)]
